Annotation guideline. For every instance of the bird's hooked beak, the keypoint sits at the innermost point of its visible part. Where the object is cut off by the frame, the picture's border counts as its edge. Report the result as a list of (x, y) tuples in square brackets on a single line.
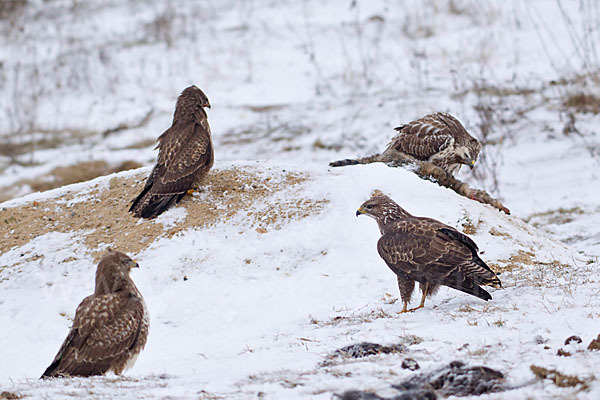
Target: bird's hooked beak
[(207, 105), (133, 264), (360, 211), (472, 164)]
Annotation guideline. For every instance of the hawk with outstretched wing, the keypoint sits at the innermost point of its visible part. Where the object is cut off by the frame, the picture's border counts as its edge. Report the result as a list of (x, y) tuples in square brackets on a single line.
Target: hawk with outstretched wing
[(438, 138)]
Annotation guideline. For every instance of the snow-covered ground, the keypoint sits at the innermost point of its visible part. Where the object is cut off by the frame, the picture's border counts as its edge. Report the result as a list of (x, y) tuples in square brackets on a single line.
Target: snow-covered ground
[(261, 311), (301, 83)]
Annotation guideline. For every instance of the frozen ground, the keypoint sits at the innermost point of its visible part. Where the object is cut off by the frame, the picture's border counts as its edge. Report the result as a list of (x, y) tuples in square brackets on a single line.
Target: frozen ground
[(262, 310), (301, 83)]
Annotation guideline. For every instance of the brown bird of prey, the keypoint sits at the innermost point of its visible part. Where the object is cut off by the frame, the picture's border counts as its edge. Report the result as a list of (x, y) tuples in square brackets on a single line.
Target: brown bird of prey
[(438, 138), (427, 251), (110, 326), (185, 156)]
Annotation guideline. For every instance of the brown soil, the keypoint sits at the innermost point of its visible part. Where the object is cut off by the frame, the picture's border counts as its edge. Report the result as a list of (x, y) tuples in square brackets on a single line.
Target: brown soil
[(62, 176), (103, 218)]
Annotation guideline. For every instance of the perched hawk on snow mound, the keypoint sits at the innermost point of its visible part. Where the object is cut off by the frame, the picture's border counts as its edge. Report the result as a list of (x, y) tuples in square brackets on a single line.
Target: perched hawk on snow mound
[(185, 156), (110, 326), (438, 138), (426, 251)]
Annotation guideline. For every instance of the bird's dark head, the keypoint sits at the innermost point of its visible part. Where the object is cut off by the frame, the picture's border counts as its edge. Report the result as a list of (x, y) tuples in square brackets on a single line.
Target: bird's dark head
[(468, 154), (193, 95), (380, 207), (113, 270)]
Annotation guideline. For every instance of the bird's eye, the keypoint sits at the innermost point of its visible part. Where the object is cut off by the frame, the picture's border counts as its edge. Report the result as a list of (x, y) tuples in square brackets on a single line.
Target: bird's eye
[(369, 207)]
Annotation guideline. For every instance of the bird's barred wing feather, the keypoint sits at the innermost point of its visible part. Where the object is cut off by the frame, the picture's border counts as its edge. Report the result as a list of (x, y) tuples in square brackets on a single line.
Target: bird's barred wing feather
[(423, 137), (182, 153), (427, 254), (104, 328), (185, 154)]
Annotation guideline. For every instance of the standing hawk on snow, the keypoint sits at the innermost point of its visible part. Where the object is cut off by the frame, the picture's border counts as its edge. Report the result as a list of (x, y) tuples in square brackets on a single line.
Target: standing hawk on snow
[(426, 251), (184, 158), (110, 326), (438, 138)]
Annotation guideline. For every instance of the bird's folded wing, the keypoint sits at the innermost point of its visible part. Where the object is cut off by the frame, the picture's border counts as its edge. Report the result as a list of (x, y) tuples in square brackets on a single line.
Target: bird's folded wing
[(424, 254), (422, 138), (106, 327), (184, 149)]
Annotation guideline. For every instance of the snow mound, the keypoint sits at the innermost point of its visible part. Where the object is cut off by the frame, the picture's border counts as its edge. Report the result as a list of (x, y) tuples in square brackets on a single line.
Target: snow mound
[(252, 282)]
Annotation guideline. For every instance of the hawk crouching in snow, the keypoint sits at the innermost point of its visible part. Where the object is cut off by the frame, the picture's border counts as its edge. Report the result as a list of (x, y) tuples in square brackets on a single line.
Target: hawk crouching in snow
[(110, 326), (184, 158), (427, 251), (438, 138)]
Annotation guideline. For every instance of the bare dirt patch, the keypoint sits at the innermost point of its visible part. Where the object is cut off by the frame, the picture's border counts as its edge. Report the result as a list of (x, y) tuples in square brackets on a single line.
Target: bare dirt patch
[(101, 214), (62, 176)]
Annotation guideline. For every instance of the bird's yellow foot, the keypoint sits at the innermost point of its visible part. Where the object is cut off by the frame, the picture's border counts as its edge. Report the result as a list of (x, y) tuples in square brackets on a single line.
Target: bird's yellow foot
[(416, 308), (191, 191), (404, 309)]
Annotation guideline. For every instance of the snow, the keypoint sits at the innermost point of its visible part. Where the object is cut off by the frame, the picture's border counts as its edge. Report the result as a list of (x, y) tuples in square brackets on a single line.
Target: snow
[(295, 85), (260, 312)]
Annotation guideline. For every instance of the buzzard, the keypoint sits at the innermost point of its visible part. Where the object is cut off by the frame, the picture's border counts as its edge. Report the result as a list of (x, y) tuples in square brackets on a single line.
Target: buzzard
[(427, 251), (110, 326), (438, 138), (185, 156)]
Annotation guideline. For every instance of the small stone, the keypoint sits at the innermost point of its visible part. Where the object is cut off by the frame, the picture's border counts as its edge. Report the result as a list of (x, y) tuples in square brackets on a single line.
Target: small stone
[(538, 339), (573, 338), (563, 353), (10, 395), (410, 364)]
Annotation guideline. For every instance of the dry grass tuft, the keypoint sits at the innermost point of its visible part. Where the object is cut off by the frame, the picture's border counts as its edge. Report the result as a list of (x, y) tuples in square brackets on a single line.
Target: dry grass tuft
[(495, 232), (583, 103), (468, 226), (354, 319), (515, 261), (558, 378), (559, 216), (543, 273)]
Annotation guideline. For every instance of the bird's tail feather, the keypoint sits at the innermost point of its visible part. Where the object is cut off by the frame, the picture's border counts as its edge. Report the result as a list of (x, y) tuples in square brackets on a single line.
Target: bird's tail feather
[(475, 290), (467, 286), (356, 161), (152, 205), (139, 200), (48, 373)]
